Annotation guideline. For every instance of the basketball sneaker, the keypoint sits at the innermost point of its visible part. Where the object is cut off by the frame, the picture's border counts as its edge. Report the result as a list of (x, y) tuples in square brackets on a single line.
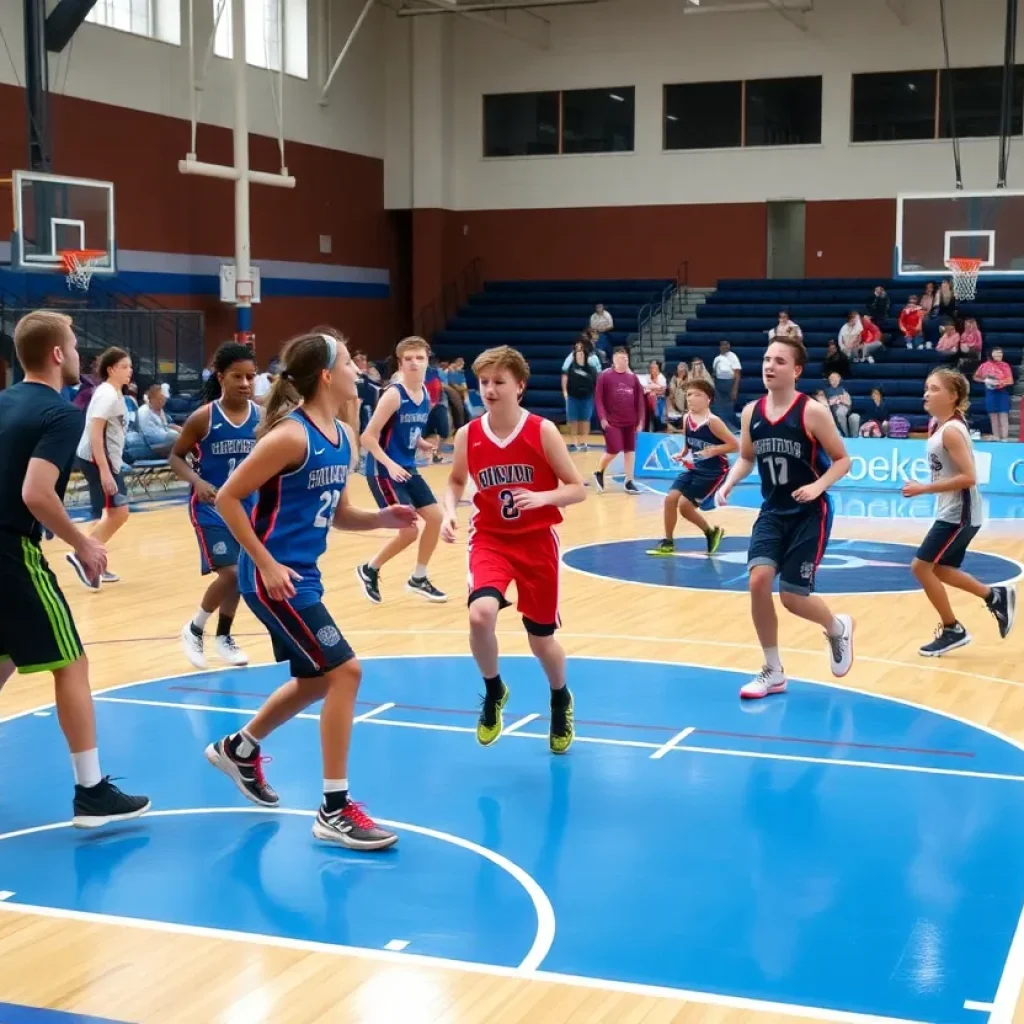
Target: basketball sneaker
[(245, 772), (228, 650), (561, 732), (714, 538), (426, 589), (489, 725), (192, 645), (370, 579), (352, 828), (599, 481), (947, 638), (630, 488), (1002, 603), (83, 576), (104, 803), (840, 647), (765, 683), (665, 549)]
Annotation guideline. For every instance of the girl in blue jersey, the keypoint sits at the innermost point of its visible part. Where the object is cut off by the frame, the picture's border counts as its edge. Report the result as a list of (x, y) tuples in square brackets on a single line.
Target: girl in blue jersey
[(298, 470), (799, 454), (217, 437), (391, 439), (709, 442)]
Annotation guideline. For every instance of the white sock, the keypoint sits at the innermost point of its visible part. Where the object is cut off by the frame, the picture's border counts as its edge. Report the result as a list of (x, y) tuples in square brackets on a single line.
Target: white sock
[(836, 629), (772, 659), (200, 619), (246, 744), (335, 785), (86, 766), (419, 572)]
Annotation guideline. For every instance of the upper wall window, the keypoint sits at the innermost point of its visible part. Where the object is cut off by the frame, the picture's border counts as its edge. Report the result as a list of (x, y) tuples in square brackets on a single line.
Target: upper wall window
[(550, 123), (727, 115), (907, 105), (155, 19), (267, 41)]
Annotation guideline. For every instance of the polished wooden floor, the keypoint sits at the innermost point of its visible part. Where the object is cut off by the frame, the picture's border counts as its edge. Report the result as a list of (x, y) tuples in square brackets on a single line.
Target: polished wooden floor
[(145, 976)]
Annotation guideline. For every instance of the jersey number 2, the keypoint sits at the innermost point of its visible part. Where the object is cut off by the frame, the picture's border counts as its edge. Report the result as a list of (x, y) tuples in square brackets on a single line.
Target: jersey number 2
[(778, 470), (325, 514), (508, 505)]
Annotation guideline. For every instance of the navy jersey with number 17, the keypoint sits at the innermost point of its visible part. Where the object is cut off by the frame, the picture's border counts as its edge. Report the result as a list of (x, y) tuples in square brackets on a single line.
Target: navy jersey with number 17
[(788, 458), (294, 512), (402, 431), (217, 454)]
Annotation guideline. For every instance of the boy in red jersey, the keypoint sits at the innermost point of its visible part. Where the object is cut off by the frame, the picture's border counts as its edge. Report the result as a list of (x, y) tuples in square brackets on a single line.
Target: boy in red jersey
[(523, 476)]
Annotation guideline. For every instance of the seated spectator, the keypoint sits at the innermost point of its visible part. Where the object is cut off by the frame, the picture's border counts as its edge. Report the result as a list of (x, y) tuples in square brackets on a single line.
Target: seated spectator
[(579, 379), (997, 376), (876, 416), (157, 430), (836, 361), (700, 371), (870, 339), (849, 335), (910, 323), (878, 306), (455, 385), (819, 396), (970, 339), (655, 387), (841, 404), (601, 320), (786, 328), (949, 341), (675, 400), (945, 308), (928, 298)]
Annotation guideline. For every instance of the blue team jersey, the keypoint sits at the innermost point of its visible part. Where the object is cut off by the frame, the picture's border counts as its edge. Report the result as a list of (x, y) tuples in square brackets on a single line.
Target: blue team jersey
[(216, 455), (401, 432), (295, 510), (788, 458), (697, 439)]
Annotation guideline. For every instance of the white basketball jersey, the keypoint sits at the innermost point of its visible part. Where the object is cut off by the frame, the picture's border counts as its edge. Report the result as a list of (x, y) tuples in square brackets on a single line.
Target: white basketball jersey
[(953, 506)]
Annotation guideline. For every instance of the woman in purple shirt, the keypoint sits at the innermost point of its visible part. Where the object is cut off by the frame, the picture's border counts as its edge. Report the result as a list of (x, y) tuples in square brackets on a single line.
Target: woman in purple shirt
[(621, 408)]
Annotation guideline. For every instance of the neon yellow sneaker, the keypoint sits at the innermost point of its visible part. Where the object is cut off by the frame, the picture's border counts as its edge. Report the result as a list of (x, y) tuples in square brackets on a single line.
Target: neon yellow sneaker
[(714, 539), (561, 733), (489, 724), (665, 549)]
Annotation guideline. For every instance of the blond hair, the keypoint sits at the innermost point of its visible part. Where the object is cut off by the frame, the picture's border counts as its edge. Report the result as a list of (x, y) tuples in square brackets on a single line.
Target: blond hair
[(37, 334), (504, 357), (955, 383), (411, 344)]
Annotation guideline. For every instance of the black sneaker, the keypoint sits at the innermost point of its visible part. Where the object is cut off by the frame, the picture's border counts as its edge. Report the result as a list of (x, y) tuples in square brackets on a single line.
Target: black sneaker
[(630, 488), (1003, 605), (599, 481), (947, 638), (103, 803), (561, 732), (245, 772), (370, 579), (351, 827), (425, 589)]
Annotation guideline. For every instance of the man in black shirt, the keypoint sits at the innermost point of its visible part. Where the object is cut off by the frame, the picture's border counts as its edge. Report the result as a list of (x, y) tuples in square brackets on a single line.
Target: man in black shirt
[(39, 432)]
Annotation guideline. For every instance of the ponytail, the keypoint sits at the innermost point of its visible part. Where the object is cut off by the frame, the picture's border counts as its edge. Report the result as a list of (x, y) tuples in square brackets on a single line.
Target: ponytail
[(282, 400)]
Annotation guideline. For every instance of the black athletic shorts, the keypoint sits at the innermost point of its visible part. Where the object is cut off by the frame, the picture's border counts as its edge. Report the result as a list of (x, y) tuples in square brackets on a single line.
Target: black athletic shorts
[(792, 543), (697, 487), (37, 631), (415, 491), (947, 543)]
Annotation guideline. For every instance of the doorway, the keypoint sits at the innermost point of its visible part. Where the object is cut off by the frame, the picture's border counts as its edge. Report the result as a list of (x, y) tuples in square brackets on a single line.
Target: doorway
[(787, 222)]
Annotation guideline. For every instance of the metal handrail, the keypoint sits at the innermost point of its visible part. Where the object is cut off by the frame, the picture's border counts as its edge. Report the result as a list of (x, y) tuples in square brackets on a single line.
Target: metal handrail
[(433, 317)]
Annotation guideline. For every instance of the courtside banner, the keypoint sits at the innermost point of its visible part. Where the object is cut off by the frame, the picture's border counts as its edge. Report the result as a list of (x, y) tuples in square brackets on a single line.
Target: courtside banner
[(878, 463)]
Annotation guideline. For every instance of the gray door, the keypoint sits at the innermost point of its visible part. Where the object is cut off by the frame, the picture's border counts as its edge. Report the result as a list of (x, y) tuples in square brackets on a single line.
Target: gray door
[(786, 238)]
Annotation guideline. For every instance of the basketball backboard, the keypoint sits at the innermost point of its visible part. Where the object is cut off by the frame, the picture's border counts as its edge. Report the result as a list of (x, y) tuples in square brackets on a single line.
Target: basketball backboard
[(53, 214), (932, 228)]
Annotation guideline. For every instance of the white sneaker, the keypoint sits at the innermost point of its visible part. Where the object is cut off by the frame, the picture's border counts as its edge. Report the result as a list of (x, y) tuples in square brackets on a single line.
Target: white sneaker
[(192, 645), (227, 650), (768, 681), (110, 577), (841, 647)]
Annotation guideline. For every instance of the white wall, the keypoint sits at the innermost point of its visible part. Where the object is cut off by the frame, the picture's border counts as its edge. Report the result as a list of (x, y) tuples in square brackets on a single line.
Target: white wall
[(650, 43), (131, 71)]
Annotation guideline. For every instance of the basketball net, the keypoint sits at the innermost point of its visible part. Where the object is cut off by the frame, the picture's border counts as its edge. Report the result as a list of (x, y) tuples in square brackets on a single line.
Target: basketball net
[(79, 265), (965, 277)]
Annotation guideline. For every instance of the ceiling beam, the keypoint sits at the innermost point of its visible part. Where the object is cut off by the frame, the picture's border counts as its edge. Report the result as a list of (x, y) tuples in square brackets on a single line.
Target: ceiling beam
[(795, 18), (525, 26), (899, 10)]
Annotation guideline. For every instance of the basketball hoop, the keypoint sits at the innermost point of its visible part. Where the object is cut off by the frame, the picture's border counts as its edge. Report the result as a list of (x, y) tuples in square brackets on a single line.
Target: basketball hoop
[(965, 276), (79, 265)]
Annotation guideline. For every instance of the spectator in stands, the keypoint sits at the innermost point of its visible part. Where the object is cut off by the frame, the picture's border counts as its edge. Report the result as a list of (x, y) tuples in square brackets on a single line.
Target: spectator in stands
[(786, 328), (945, 301), (928, 298), (841, 404), (849, 335), (910, 323), (949, 341), (675, 403), (619, 397), (261, 386), (997, 376), (579, 380), (699, 371), (870, 338), (727, 372), (438, 426), (100, 455), (87, 384), (157, 430), (971, 345), (585, 343), (836, 360), (655, 389), (878, 306), (601, 320), (367, 388), (457, 394), (876, 416), (819, 396)]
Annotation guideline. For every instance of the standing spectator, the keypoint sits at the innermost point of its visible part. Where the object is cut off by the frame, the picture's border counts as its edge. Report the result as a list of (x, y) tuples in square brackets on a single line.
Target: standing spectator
[(585, 343), (579, 380), (100, 459), (786, 328), (841, 404), (876, 416), (997, 376), (601, 320), (621, 407), (836, 361), (878, 305), (675, 405), (727, 372), (910, 323)]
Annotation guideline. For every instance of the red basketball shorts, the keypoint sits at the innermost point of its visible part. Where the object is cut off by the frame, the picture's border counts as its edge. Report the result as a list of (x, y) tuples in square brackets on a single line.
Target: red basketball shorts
[(530, 560)]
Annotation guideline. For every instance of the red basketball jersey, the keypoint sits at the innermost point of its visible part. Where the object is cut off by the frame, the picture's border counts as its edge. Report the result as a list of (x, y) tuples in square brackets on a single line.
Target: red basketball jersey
[(498, 468)]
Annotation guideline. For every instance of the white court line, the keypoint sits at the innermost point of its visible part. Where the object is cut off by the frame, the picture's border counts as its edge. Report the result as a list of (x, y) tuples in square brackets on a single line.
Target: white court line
[(660, 749), (5, 894), (396, 945), (519, 723), (538, 950), (1010, 980), (379, 710), (970, 1004), (666, 747)]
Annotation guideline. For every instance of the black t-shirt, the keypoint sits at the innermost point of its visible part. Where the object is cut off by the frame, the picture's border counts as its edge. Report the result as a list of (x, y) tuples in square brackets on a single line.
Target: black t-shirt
[(581, 380), (35, 423)]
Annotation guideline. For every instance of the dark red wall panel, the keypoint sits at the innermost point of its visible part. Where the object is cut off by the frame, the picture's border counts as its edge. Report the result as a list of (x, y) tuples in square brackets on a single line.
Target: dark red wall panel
[(855, 237)]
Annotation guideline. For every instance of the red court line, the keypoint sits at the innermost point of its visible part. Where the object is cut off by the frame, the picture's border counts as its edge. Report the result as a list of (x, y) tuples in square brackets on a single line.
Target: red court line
[(631, 725)]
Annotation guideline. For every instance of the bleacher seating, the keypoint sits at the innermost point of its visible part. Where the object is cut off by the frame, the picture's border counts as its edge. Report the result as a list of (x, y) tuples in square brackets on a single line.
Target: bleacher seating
[(742, 312), (542, 319)]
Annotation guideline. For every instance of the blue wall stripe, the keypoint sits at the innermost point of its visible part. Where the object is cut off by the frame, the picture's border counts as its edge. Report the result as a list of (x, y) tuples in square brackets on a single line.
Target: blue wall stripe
[(12, 1014)]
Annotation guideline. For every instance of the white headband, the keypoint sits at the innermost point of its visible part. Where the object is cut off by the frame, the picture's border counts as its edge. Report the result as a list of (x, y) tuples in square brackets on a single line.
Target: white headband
[(332, 350)]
